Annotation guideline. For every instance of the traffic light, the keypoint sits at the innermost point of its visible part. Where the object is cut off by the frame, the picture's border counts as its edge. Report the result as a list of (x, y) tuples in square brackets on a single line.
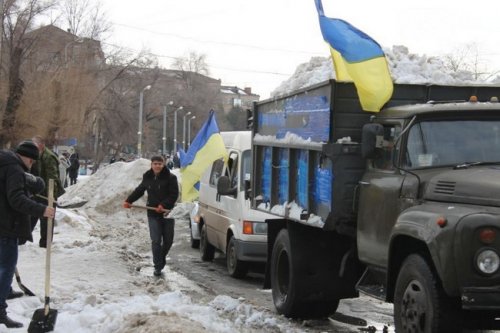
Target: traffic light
[(249, 119)]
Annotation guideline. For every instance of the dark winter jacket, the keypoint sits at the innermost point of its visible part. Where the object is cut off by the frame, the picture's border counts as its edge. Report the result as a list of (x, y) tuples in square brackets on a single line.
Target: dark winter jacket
[(15, 206), (162, 190)]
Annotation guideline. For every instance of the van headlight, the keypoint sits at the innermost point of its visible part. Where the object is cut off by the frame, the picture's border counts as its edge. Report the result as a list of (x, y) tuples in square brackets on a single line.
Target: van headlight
[(487, 261), (254, 228)]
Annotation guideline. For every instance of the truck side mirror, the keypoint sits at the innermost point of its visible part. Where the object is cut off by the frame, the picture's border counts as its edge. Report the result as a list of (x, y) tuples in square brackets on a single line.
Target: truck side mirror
[(224, 187), (372, 137)]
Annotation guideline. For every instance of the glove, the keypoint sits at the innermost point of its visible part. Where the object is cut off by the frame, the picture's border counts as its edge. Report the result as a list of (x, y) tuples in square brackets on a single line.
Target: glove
[(34, 184), (160, 209), (127, 204)]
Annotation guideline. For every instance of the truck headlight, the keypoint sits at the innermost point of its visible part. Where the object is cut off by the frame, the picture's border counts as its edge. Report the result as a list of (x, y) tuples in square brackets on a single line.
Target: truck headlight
[(487, 261)]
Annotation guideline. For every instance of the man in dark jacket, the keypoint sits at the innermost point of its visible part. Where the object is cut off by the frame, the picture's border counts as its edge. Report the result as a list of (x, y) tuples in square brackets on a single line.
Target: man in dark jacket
[(163, 191), (15, 208)]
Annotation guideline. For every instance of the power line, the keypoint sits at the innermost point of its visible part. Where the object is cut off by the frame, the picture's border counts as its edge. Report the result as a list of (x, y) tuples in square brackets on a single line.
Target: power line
[(211, 65), (219, 42)]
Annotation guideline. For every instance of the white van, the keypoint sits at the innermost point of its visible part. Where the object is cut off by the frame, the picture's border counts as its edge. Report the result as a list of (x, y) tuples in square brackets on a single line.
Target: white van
[(226, 222)]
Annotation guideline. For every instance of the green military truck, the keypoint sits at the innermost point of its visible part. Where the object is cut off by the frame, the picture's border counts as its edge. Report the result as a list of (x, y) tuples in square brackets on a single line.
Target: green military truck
[(403, 205)]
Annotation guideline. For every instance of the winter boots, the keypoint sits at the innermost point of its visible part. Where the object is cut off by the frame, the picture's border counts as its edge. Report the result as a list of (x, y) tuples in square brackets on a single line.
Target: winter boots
[(4, 319)]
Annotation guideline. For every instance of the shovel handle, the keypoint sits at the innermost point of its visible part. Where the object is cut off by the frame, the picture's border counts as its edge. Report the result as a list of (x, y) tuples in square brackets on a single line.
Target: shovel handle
[(148, 208), (49, 245)]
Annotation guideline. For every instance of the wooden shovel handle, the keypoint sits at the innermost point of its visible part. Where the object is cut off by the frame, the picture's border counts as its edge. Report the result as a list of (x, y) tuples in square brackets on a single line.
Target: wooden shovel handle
[(49, 246), (149, 208)]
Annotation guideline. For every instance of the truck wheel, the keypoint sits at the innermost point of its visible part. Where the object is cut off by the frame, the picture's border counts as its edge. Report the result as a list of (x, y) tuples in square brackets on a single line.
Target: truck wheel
[(195, 243), (236, 268), (420, 304), (282, 281), (207, 250)]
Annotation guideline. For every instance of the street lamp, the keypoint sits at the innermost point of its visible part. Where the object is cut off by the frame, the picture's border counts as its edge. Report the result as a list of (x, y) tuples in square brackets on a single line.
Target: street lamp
[(164, 137), (189, 131), (139, 132), (184, 130), (175, 128)]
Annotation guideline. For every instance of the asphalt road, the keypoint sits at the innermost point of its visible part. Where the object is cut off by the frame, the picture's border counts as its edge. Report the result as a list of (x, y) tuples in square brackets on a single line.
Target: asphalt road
[(363, 314)]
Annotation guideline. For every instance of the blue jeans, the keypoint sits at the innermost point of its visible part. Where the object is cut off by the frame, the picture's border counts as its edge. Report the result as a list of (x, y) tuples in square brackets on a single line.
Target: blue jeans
[(161, 232), (8, 262)]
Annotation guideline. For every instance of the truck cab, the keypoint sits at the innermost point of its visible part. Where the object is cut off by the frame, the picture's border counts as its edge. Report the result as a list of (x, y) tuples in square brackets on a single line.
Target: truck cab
[(226, 220), (433, 242)]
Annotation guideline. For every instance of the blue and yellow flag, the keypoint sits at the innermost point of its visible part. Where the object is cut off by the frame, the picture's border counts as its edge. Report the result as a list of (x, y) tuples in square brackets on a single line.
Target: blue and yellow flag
[(358, 58), (207, 147)]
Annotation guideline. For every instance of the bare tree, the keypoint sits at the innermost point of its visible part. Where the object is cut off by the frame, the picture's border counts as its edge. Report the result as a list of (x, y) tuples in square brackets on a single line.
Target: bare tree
[(85, 18), (468, 59), (18, 17), (193, 62)]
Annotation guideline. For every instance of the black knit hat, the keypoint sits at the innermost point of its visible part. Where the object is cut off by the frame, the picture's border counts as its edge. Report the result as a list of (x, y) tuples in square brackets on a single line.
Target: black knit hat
[(28, 149)]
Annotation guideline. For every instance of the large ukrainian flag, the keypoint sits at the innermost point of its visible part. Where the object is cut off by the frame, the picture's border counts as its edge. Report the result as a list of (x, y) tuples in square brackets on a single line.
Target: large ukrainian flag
[(207, 147), (358, 58)]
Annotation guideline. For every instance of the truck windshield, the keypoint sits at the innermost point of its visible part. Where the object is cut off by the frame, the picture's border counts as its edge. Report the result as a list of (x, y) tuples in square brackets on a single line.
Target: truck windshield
[(451, 143)]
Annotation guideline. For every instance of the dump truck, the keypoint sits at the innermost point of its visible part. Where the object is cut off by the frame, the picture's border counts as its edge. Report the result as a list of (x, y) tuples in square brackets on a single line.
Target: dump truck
[(402, 204)]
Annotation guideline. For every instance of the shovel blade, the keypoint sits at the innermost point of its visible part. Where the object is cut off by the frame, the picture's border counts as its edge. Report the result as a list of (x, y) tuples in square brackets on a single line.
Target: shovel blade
[(41, 323)]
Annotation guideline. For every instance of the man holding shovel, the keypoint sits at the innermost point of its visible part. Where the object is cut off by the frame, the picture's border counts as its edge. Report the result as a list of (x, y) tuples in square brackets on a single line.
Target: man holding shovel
[(163, 191), (15, 208)]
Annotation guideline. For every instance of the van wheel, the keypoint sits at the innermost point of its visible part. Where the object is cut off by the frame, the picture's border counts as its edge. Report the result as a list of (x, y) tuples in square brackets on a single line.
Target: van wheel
[(207, 250), (420, 304), (236, 268)]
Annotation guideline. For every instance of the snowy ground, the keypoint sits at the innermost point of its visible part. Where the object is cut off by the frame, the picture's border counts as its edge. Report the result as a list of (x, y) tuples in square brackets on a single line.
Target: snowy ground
[(101, 274)]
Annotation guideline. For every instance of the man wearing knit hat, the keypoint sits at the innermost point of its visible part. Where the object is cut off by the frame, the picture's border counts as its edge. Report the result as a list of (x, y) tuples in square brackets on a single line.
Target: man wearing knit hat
[(15, 208)]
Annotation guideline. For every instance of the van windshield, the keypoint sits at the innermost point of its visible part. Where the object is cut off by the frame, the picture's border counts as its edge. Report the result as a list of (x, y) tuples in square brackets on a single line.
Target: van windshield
[(246, 168), (451, 143)]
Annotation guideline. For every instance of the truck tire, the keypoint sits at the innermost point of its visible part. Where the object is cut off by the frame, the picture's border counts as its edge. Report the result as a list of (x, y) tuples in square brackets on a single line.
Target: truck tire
[(286, 285), (420, 304), (236, 268), (207, 250)]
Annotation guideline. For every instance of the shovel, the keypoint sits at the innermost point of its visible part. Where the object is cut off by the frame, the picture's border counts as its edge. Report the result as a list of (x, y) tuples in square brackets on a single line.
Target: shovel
[(150, 208), (73, 205), (25, 290), (44, 319)]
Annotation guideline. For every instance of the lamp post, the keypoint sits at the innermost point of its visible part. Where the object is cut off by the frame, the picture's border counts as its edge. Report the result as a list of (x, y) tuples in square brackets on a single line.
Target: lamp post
[(164, 137), (139, 132), (184, 130), (175, 128), (189, 131)]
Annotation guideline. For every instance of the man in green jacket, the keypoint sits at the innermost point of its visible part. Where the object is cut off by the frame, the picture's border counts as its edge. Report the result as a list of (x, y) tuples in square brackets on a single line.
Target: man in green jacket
[(47, 167)]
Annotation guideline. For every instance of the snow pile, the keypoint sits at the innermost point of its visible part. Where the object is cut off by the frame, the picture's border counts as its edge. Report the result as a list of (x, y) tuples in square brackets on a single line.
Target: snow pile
[(405, 67), (106, 190)]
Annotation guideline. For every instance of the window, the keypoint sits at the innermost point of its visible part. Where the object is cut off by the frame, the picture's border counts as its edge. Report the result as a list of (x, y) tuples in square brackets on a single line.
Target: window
[(452, 142), (246, 168), (217, 167), (232, 169), (385, 157), (236, 102)]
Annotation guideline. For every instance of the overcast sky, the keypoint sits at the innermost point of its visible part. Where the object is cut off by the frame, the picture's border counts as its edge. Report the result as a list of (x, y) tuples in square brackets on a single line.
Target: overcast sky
[(259, 43)]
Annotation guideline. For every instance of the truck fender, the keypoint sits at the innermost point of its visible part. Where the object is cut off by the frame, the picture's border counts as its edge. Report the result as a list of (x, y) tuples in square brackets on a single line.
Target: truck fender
[(416, 231)]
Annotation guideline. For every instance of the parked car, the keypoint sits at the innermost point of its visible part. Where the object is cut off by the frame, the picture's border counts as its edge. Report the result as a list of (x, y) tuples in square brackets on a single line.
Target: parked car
[(194, 232), (226, 221)]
